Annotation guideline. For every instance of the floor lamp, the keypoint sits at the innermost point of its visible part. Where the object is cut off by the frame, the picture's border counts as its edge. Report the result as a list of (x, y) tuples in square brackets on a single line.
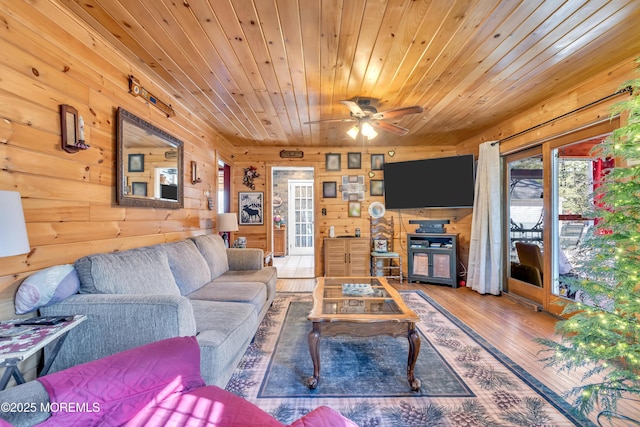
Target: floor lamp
[(227, 222), (13, 230)]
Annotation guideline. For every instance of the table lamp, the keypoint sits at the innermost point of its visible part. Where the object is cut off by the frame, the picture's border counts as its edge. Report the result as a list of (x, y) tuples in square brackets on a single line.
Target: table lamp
[(13, 230), (227, 222)]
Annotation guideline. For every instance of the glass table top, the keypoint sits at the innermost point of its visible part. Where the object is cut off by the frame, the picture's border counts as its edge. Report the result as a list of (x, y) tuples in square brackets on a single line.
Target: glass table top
[(366, 296)]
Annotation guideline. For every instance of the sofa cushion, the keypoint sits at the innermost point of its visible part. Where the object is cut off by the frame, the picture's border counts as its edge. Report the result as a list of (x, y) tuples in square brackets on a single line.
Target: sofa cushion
[(205, 406), (248, 292), (212, 248), (224, 331), (47, 287), (188, 267), (268, 276), (115, 388), (135, 271)]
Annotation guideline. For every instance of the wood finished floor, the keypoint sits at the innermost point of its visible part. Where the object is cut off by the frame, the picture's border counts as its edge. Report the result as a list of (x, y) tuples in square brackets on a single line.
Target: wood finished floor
[(503, 322)]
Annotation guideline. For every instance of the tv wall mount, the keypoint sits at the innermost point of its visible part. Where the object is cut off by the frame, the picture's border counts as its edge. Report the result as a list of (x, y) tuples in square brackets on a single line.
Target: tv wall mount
[(430, 225)]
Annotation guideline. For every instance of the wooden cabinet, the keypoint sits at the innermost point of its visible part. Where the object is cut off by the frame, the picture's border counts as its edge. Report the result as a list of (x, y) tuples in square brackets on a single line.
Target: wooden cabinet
[(346, 256), (280, 241), (433, 258)]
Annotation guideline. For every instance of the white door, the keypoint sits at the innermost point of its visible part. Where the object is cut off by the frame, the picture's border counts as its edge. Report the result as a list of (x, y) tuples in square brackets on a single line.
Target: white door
[(300, 224)]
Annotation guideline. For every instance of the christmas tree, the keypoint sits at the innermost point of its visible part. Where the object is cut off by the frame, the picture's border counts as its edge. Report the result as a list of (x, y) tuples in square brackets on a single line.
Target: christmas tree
[(601, 329)]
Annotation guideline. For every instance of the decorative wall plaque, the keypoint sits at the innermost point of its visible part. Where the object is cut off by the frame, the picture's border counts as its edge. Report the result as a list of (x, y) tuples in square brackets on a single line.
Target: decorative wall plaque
[(291, 154), (136, 90)]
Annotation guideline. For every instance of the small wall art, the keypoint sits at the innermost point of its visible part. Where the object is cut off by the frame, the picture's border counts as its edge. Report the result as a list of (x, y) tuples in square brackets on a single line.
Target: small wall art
[(377, 162), (376, 187), (353, 185), (250, 174), (139, 189), (332, 162), (354, 160), (251, 208), (136, 163), (329, 189), (354, 209)]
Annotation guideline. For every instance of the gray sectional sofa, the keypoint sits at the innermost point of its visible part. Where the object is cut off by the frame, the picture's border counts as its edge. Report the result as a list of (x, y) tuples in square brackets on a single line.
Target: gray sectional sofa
[(190, 287)]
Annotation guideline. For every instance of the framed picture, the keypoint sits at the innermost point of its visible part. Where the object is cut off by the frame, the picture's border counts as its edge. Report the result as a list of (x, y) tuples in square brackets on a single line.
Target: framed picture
[(376, 187), (354, 161), (332, 162), (251, 208), (139, 189), (136, 162), (377, 162), (354, 209), (329, 189)]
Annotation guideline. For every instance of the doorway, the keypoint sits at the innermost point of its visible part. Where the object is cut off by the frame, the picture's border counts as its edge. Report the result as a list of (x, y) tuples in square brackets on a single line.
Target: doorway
[(293, 234), (301, 215)]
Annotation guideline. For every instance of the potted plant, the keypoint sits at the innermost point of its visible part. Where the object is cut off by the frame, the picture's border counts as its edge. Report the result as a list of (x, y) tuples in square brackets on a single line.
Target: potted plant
[(601, 329)]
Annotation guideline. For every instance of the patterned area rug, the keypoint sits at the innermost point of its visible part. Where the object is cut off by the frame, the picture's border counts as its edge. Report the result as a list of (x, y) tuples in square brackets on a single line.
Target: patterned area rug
[(465, 381)]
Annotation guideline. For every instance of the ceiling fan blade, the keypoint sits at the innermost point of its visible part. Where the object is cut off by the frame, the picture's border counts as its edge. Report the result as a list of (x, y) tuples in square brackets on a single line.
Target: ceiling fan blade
[(355, 109), (329, 120), (398, 112), (389, 127)]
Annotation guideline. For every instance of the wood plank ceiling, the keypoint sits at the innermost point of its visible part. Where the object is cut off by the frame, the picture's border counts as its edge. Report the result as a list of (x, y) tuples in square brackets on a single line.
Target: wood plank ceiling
[(257, 70)]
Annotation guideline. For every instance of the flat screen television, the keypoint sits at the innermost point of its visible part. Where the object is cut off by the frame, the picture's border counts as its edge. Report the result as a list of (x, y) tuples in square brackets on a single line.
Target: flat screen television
[(169, 191), (445, 182)]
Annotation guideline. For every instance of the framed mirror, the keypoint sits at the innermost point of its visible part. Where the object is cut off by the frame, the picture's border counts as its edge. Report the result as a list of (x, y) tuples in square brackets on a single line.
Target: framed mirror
[(149, 164)]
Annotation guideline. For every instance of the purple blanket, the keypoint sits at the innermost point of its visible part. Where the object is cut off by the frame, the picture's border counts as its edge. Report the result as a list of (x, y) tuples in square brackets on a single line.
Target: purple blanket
[(112, 390)]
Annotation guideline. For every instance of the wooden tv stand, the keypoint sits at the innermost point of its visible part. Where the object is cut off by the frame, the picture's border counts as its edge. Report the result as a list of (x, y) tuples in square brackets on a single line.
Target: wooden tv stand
[(433, 258)]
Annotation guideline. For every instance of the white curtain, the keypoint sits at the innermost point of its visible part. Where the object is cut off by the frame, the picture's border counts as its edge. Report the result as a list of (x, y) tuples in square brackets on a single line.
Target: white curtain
[(485, 249)]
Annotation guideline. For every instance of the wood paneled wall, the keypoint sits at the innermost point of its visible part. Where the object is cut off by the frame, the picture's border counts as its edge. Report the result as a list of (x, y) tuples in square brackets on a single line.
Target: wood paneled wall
[(337, 215), (46, 59)]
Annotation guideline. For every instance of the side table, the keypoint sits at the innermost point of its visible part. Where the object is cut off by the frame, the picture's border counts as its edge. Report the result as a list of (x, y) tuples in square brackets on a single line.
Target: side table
[(18, 342)]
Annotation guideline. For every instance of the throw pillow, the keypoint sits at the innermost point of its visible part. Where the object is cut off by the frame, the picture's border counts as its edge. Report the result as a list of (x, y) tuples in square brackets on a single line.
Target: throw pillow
[(380, 245), (143, 271), (212, 248), (187, 265), (47, 287)]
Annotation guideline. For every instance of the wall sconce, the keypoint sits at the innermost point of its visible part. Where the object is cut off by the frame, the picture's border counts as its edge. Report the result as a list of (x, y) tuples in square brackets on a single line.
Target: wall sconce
[(194, 173), (72, 126)]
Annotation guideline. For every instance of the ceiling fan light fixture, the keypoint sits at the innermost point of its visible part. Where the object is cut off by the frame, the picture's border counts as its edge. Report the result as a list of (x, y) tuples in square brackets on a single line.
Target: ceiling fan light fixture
[(353, 131), (369, 131)]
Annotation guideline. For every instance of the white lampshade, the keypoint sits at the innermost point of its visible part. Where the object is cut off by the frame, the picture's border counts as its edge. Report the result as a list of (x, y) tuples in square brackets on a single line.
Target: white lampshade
[(368, 131), (227, 222), (13, 230), (353, 131)]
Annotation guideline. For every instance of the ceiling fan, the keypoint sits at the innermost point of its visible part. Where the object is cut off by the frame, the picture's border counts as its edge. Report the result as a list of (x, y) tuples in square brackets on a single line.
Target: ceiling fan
[(367, 117)]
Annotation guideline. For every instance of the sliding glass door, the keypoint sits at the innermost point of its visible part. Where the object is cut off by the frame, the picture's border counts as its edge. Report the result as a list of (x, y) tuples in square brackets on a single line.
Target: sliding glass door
[(524, 190), (549, 210), (575, 174)]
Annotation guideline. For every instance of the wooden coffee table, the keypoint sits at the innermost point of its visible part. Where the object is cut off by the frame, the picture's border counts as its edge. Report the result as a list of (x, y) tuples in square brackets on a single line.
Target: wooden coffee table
[(373, 308)]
